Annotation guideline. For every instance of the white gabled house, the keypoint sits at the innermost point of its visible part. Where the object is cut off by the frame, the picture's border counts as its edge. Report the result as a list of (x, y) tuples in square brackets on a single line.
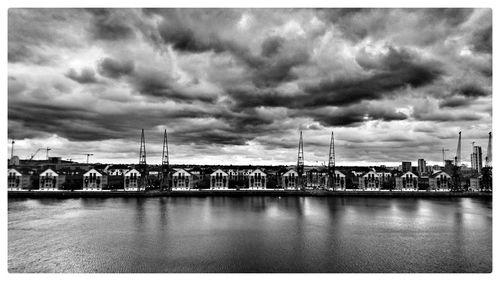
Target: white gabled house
[(257, 179), (132, 180), (219, 180), (339, 181), (16, 180), (182, 179), (289, 180), (440, 181), (369, 181), (50, 180), (406, 182), (94, 180)]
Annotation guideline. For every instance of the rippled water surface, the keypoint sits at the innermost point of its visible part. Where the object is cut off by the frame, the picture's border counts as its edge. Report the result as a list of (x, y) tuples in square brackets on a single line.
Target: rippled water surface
[(250, 234)]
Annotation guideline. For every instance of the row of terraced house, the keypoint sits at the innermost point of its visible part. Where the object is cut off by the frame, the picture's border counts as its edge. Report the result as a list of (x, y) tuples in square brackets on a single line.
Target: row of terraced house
[(129, 179)]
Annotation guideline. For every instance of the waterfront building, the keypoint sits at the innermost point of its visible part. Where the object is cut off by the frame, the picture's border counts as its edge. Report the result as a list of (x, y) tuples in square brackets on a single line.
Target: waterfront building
[(423, 183), (384, 175), (219, 180), (289, 179), (257, 179), (406, 181), (50, 180), (339, 179), (406, 166), (182, 179), (94, 180), (422, 167), (14, 161), (116, 170), (312, 179), (73, 177), (132, 180), (231, 174), (18, 179), (477, 159), (475, 183), (440, 181), (369, 181)]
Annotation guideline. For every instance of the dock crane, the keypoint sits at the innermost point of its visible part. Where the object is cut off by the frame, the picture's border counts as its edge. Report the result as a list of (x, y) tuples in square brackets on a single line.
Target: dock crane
[(12, 149), (88, 155)]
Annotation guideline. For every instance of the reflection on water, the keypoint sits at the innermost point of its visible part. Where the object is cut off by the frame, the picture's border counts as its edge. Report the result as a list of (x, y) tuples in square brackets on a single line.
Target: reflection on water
[(250, 234)]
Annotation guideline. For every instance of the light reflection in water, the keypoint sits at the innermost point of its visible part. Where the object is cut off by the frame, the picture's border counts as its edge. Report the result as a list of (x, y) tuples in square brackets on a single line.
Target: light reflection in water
[(250, 234)]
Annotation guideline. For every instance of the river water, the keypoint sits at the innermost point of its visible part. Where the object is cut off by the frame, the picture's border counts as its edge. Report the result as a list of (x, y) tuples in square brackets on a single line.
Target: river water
[(250, 234)]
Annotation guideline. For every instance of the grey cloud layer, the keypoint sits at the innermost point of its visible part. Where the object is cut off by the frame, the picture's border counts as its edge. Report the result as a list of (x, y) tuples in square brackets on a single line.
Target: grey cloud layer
[(247, 77)]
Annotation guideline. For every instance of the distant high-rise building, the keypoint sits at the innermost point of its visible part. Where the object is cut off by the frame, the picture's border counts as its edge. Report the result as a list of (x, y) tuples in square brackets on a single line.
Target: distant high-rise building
[(422, 167), (477, 159), (406, 166), (448, 166)]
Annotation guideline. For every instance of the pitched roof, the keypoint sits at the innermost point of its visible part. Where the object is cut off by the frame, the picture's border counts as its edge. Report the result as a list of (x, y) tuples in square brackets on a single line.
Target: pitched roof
[(219, 171), (365, 173), (435, 174), (256, 170)]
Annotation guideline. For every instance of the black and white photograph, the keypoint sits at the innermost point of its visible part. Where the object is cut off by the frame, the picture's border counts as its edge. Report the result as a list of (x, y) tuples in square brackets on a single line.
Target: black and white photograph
[(249, 139)]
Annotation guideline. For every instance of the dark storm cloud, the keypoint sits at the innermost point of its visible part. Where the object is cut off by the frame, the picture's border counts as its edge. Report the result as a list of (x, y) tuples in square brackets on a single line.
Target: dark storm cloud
[(184, 39), (211, 137), (463, 96), (113, 68), (80, 123), (352, 115), (471, 91), (268, 69), (271, 46), (159, 85), (452, 16), (395, 71), (455, 102), (358, 24), (482, 40), (86, 76), (426, 111), (273, 72), (109, 26), (345, 92)]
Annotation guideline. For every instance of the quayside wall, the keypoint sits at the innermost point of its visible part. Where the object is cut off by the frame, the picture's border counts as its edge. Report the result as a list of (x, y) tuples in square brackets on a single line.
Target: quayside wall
[(237, 193)]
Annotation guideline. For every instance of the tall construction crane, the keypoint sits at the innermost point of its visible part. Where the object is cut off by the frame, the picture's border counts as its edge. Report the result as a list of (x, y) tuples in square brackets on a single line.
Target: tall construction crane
[(142, 164), (456, 168), (12, 149), (458, 157), (48, 152), (34, 154), (300, 161), (331, 164), (488, 152), (165, 165), (88, 155)]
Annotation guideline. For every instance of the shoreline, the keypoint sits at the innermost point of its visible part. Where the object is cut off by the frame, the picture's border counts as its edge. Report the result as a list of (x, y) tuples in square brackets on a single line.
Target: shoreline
[(239, 193)]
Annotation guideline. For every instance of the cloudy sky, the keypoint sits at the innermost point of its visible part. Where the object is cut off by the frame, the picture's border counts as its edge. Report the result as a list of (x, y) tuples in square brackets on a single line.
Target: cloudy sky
[(237, 85)]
